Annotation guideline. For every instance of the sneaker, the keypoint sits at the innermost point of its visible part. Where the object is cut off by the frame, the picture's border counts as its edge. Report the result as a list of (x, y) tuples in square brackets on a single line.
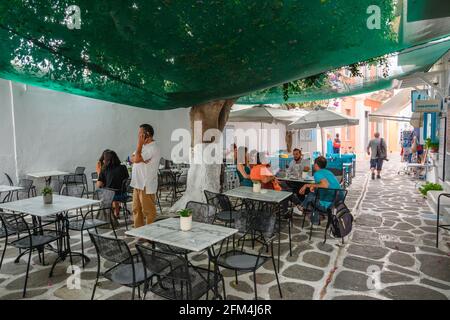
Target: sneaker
[(373, 176), (378, 177)]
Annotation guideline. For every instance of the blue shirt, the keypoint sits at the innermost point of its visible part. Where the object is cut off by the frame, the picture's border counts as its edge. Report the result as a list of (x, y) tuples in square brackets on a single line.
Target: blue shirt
[(327, 197)]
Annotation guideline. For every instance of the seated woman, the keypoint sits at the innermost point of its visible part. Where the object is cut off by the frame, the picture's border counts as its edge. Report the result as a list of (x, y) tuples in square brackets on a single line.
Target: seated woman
[(262, 173), (112, 176), (243, 168), (100, 162), (323, 179)]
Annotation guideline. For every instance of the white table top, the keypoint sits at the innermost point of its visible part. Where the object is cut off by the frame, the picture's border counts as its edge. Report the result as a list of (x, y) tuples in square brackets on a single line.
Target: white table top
[(9, 188), (265, 195), (310, 180), (35, 206), (47, 174), (167, 231)]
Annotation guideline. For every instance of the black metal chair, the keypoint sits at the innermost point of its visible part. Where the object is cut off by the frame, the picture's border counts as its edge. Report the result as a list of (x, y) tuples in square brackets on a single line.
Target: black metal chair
[(259, 219), (34, 238), (226, 211), (28, 191), (95, 218), (127, 270), (333, 196), (94, 176), (126, 192), (339, 174), (11, 183), (177, 279), (438, 225)]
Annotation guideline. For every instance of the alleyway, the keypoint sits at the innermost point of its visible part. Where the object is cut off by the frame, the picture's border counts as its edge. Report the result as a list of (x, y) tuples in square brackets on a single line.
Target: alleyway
[(390, 255)]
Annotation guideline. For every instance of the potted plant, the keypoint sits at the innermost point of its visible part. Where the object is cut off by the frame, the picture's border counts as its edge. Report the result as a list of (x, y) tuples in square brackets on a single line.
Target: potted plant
[(185, 219), (429, 186), (47, 194), (434, 147)]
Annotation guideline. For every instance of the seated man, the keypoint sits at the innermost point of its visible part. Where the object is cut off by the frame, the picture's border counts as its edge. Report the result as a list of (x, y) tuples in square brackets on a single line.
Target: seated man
[(296, 165), (261, 173), (323, 179)]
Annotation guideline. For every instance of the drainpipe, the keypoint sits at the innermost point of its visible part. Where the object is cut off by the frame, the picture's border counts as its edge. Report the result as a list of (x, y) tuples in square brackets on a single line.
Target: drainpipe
[(13, 121)]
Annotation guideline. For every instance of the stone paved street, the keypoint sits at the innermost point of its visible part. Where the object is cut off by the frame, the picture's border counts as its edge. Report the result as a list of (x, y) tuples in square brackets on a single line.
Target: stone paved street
[(390, 255)]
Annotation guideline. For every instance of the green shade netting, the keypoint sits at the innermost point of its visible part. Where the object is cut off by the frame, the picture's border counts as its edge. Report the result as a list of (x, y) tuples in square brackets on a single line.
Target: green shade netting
[(163, 54), (337, 85)]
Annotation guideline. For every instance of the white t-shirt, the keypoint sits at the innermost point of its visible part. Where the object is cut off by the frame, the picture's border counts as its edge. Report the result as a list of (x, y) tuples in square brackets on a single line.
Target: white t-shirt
[(295, 167), (145, 175)]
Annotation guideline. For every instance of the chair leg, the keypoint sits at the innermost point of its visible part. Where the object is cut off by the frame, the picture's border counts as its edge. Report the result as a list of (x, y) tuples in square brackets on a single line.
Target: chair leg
[(254, 284), (82, 249), (276, 275), (236, 276), (4, 251), (26, 274), (223, 287), (290, 240)]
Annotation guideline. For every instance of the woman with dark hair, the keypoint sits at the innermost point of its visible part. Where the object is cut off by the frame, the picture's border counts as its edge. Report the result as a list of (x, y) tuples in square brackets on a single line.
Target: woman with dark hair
[(100, 162), (243, 167), (111, 176)]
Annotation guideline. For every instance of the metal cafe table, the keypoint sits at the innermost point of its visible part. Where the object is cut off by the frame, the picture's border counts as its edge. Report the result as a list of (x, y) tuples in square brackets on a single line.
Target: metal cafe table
[(266, 195), (10, 191), (202, 236), (60, 207), (47, 175)]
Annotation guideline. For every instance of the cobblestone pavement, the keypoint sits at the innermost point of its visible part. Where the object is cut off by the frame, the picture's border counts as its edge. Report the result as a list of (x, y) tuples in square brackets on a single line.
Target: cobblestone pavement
[(390, 255)]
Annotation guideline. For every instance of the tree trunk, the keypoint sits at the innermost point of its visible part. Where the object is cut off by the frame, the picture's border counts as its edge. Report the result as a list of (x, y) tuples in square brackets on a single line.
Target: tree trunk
[(203, 176)]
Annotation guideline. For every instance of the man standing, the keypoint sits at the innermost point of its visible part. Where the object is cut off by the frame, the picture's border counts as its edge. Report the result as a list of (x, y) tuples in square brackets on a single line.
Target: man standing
[(144, 177), (337, 144), (377, 152)]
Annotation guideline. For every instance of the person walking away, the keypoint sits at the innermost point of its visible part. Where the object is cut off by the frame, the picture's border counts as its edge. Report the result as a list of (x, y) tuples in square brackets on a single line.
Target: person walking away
[(144, 176), (337, 144), (377, 152)]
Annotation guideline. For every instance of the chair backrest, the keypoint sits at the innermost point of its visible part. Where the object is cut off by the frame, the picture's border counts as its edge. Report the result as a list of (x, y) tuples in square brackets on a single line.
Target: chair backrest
[(26, 184), (339, 173), (11, 183), (219, 200), (14, 223), (79, 170), (94, 175), (260, 216), (161, 264), (111, 249), (56, 185), (126, 186), (73, 190), (202, 212), (106, 196), (334, 196)]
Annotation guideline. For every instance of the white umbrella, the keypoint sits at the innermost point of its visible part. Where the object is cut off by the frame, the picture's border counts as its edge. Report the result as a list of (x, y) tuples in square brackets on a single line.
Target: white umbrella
[(263, 114), (323, 119)]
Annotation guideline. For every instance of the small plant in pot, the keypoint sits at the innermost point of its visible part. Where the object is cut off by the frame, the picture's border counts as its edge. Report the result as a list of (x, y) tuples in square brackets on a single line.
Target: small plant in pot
[(47, 194), (185, 219)]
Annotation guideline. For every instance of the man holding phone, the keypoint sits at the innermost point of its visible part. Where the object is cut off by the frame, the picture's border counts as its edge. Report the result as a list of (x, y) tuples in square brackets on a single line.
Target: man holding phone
[(144, 176)]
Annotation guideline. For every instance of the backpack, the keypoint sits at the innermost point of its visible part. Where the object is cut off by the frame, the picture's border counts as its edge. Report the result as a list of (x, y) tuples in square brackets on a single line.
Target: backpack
[(381, 150), (341, 221)]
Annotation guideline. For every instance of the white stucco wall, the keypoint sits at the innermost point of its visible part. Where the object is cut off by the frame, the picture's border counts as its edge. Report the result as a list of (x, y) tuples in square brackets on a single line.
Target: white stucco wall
[(59, 131)]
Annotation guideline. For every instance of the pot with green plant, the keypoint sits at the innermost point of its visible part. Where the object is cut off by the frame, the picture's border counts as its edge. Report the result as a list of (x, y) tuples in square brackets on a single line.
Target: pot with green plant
[(47, 194), (429, 186), (185, 219)]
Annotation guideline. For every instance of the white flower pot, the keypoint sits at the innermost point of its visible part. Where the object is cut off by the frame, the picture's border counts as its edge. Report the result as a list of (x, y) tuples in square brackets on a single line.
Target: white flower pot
[(48, 198), (186, 223), (257, 187)]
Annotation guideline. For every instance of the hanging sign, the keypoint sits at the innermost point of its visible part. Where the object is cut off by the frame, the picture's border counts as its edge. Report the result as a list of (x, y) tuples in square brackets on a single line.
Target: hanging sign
[(429, 105)]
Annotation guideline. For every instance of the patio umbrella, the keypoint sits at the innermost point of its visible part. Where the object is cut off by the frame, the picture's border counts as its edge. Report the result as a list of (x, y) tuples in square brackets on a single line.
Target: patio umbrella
[(264, 114), (323, 119)]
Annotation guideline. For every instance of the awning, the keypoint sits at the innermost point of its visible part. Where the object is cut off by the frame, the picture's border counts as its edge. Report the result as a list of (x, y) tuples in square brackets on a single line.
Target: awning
[(393, 106), (163, 54), (323, 119), (416, 119)]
